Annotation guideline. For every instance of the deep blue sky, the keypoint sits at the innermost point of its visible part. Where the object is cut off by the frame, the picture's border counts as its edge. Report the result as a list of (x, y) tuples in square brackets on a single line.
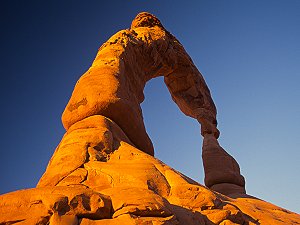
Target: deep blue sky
[(248, 52)]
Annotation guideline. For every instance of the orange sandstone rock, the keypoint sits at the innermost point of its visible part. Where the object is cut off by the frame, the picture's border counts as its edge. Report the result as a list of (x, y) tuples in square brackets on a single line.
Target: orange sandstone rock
[(222, 172), (124, 185), (103, 171), (113, 85), (127, 186)]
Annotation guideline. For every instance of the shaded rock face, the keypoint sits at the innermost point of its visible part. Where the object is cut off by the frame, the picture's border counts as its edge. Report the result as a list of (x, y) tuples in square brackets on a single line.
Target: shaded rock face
[(222, 172), (103, 171)]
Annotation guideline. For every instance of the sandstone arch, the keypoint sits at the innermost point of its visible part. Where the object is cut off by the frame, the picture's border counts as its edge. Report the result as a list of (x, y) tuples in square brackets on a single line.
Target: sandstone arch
[(113, 85), (97, 175), (112, 88)]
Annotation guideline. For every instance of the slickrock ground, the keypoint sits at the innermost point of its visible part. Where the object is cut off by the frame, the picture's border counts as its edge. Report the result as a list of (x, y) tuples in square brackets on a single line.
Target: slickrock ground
[(104, 172), (96, 176)]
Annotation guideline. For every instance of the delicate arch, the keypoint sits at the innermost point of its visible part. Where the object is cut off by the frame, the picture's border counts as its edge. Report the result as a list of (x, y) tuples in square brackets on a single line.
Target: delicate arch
[(113, 85)]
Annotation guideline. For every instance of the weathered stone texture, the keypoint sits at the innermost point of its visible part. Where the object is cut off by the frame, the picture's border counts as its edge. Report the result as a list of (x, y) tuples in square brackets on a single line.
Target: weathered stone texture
[(103, 172), (127, 186), (113, 85)]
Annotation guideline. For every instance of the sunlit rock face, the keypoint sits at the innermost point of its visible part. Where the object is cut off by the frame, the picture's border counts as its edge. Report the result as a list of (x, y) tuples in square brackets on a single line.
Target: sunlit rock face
[(113, 86), (104, 172)]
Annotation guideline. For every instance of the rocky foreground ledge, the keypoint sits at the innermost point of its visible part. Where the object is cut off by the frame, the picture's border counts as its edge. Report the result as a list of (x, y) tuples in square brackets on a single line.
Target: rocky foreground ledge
[(123, 185), (104, 171)]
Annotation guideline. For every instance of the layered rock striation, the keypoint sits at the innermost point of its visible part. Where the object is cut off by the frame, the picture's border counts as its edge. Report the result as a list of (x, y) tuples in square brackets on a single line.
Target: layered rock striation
[(103, 171)]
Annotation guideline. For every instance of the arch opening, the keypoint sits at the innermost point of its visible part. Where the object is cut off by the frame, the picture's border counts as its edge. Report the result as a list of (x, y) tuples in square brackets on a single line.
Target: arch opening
[(176, 137)]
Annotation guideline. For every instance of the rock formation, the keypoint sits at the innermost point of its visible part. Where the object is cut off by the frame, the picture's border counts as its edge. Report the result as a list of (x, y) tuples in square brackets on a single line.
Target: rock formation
[(103, 171), (113, 85)]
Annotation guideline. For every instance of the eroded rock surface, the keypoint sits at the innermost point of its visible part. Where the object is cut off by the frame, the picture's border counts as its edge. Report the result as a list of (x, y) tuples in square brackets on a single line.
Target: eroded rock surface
[(117, 183), (103, 171), (222, 172), (113, 86)]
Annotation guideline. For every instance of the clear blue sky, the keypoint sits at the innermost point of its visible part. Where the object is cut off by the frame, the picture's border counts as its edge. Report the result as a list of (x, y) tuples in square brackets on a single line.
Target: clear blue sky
[(248, 52)]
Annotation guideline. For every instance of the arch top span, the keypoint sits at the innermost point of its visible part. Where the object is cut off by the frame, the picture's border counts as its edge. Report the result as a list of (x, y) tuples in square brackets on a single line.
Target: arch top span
[(113, 85)]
